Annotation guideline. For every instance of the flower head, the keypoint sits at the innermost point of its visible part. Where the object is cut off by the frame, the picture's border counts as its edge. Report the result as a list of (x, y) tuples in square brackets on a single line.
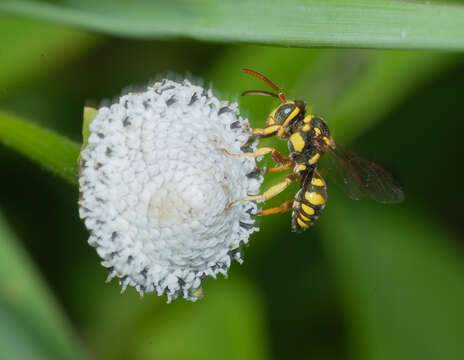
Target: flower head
[(155, 183)]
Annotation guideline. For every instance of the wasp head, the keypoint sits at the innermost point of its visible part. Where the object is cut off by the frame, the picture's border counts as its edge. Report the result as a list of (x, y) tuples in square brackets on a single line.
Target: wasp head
[(289, 114)]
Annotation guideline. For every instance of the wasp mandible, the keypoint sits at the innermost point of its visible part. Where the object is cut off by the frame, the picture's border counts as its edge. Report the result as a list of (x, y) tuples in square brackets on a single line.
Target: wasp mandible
[(308, 138)]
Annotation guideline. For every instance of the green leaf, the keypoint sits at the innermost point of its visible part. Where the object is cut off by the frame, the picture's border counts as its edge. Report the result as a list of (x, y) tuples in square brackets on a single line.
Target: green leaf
[(401, 278), (337, 23), (31, 323), (49, 149)]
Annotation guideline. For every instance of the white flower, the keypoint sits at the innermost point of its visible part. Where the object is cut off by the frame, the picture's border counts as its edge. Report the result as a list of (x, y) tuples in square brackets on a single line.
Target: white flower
[(155, 183)]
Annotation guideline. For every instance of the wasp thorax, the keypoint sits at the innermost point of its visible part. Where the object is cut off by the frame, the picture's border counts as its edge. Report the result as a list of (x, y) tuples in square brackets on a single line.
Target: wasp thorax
[(321, 130)]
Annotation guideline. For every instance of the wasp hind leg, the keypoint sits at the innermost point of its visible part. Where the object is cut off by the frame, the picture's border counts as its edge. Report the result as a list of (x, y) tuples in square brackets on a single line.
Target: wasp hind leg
[(286, 206), (285, 167), (269, 193)]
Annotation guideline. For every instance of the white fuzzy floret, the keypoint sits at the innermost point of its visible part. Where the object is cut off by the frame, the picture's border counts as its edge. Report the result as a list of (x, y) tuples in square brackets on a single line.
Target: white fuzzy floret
[(155, 183)]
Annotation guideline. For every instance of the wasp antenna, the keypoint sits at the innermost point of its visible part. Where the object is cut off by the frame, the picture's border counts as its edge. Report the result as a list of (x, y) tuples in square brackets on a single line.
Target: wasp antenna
[(259, 92), (280, 95)]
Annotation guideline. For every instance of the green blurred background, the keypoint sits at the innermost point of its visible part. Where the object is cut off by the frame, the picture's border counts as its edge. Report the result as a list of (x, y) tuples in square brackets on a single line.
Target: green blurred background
[(368, 281)]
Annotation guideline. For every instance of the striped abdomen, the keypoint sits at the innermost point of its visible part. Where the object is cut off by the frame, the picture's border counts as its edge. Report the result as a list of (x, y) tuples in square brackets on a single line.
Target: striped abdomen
[(309, 201)]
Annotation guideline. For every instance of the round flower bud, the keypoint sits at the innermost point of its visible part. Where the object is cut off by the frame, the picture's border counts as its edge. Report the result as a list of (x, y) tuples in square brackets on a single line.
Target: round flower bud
[(155, 182)]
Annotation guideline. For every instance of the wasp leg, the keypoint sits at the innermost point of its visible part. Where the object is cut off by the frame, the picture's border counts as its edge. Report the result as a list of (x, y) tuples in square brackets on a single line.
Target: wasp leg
[(270, 130), (269, 193), (276, 156), (286, 206), (287, 166)]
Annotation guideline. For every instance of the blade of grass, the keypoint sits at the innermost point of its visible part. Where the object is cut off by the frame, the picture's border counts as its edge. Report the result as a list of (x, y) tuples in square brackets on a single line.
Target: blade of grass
[(52, 151), (31, 326), (334, 23)]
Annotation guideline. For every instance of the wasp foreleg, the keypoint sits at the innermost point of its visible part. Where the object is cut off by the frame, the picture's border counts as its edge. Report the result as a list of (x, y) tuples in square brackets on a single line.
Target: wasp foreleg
[(276, 156), (270, 130)]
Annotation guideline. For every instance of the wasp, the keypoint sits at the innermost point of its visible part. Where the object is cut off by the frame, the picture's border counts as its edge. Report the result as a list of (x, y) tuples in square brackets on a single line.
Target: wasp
[(308, 138)]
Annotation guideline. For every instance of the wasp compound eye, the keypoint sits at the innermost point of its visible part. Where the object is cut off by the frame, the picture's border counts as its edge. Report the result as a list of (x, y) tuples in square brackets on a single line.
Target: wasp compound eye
[(155, 182), (283, 112)]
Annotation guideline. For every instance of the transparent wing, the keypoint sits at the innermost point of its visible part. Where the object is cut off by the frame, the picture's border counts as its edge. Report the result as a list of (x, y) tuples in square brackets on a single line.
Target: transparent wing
[(360, 178)]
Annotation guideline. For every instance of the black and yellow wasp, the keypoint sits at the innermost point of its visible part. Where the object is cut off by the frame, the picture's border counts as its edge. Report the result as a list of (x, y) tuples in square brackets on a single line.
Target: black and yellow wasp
[(308, 138)]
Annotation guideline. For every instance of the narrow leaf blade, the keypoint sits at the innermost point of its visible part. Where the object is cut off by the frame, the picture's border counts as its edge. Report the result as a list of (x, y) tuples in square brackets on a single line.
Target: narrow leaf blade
[(328, 23)]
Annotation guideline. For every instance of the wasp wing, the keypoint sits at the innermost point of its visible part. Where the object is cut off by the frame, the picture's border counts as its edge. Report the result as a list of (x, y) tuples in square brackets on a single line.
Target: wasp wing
[(360, 178)]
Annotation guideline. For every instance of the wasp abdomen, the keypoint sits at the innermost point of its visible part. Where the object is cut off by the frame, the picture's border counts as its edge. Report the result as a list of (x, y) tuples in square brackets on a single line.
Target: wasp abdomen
[(309, 201)]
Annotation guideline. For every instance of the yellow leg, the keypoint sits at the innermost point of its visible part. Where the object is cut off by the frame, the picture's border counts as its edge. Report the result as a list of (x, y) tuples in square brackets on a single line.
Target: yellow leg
[(264, 132), (287, 166), (269, 193), (276, 156), (286, 206)]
